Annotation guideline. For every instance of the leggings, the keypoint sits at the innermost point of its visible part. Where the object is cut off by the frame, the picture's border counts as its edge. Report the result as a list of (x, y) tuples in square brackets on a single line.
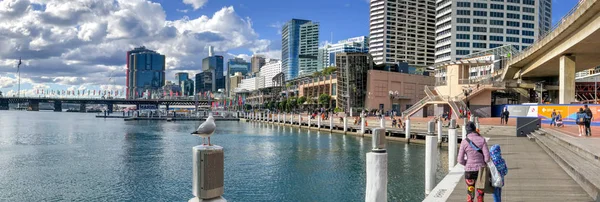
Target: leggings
[(472, 193)]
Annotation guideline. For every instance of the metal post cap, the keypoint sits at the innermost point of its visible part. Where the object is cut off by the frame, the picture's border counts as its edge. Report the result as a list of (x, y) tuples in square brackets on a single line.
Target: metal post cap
[(379, 141)]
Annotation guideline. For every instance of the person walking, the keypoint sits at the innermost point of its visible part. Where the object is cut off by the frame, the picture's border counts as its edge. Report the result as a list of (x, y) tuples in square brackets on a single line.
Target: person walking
[(588, 120), (553, 118), (502, 116), (580, 121), (506, 115), (473, 154), (500, 164)]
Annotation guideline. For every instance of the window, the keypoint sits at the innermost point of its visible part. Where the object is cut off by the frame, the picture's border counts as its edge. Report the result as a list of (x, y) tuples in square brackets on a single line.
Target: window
[(528, 25), (333, 89), (496, 22), (496, 30), (480, 21), (495, 45), (463, 12), (463, 4), (479, 45), (463, 36), (512, 39), (497, 6), (526, 40), (527, 33), (463, 20), (462, 52), (528, 17), (513, 15), (463, 28), (513, 8), (479, 29), (512, 23), (514, 1), (497, 14), (479, 37), (529, 2), (524, 47), (480, 13), (496, 38), (479, 5), (528, 10), (512, 31), (462, 44)]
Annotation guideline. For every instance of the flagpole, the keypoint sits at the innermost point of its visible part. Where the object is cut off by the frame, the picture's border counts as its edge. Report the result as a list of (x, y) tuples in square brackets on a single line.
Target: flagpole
[(19, 79)]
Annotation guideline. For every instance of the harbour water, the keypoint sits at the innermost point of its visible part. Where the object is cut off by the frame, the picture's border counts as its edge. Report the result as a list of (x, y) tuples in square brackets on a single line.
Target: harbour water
[(50, 156)]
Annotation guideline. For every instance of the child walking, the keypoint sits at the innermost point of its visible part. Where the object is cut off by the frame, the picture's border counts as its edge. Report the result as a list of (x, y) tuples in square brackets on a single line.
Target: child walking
[(496, 157)]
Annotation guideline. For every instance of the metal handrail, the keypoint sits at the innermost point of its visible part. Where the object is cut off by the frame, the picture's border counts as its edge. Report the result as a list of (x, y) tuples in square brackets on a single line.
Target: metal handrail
[(546, 34), (416, 105)]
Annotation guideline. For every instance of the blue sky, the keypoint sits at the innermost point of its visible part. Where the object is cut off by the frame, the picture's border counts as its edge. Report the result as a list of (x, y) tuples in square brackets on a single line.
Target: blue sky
[(78, 45)]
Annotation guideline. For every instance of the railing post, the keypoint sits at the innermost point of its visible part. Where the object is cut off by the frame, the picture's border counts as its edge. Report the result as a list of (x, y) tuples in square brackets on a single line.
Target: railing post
[(407, 129), (439, 132), (430, 157), (362, 124), (377, 169), (331, 121), (452, 142), (464, 129), (345, 124)]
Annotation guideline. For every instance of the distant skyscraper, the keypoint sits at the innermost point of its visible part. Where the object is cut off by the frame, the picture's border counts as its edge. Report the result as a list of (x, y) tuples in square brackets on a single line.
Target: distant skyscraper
[(237, 65), (352, 45), (181, 77), (257, 62), (272, 68), (403, 31), (214, 64), (466, 27), (145, 72), (234, 81), (299, 47)]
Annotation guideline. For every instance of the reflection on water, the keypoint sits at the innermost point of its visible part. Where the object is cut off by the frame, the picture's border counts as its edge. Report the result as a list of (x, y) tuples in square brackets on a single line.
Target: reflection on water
[(47, 156)]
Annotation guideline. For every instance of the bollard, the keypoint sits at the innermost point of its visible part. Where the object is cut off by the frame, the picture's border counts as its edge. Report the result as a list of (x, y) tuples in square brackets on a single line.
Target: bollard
[(464, 129), (430, 157), (377, 169), (283, 118), (452, 142), (291, 119), (382, 122), (319, 122), (331, 122), (472, 118), (477, 122), (362, 124), (308, 118), (439, 132), (278, 118), (207, 184), (407, 129), (299, 119), (345, 124)]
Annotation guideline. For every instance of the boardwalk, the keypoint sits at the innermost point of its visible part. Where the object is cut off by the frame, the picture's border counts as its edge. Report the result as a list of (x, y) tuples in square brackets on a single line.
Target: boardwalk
[(532, 174)]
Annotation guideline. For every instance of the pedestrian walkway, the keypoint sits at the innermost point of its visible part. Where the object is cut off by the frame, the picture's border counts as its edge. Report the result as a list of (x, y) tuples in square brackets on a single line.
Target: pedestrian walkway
[(532, 174)]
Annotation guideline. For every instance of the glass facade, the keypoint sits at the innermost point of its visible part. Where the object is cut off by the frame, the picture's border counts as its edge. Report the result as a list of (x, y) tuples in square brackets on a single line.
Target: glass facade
[(291, 45), (145, 73), (237, 65), (214, 65)]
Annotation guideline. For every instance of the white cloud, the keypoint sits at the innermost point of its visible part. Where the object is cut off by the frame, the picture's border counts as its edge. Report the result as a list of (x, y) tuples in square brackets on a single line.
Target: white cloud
[(82, 41), (182, 10), (196, 4)]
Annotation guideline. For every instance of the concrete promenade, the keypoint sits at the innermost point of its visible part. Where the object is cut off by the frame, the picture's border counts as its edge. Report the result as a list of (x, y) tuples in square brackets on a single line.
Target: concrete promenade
[(532, 174)]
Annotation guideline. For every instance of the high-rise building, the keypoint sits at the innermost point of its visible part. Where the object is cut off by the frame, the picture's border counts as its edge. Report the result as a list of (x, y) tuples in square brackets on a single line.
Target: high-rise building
[(257, 62), (466, 27), (299, 47), (323, 58), (269, 71), (352, 79), (214, 64), (234, 82), (237, 65), (181, 77), (352, 45), (204, 81), (145, 72), (403, 31)]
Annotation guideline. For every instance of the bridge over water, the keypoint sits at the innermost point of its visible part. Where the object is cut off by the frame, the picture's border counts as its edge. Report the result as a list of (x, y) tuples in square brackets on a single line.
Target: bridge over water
[(34, 102)]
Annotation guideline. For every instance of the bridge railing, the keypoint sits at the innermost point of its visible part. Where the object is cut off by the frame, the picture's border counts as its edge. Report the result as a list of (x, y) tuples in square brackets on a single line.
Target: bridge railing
[(546, 34)]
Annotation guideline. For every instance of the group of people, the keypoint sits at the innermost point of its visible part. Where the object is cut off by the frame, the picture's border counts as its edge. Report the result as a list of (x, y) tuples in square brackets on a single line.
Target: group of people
[(476, 157), (584, 120), (504, 117), (556, 119)]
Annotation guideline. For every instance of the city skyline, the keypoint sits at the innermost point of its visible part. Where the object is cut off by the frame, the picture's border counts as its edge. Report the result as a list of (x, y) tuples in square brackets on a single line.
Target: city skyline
[(72, 47)]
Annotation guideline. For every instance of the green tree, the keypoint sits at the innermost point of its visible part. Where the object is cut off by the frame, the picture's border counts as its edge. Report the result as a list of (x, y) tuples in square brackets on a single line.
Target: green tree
[(271, 104), (291, 103), (301, 100), (329, 70), (282, 105), (316, 74), (324, 99)]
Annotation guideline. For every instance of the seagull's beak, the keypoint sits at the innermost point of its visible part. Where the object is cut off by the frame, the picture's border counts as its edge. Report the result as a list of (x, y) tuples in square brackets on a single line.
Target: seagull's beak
[(195, 132)]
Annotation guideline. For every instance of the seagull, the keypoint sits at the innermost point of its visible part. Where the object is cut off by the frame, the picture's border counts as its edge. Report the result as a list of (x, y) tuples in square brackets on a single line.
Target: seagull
[(206, 129)]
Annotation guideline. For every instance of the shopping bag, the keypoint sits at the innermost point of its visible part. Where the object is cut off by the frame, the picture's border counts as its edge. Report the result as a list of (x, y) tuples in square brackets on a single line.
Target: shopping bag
[(483, 180), (496, 178)]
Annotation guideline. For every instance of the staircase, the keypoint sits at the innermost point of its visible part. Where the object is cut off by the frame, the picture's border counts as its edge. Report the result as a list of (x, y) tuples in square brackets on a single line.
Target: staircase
[(416, 107), (580, 163)]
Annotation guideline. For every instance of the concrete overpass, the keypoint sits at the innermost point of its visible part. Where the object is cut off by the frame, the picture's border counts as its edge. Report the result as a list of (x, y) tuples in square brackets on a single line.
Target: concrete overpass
[(572, 45)]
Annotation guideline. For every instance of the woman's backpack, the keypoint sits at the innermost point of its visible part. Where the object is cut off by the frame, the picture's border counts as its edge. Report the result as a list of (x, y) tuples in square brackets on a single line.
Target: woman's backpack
[(580, 118)]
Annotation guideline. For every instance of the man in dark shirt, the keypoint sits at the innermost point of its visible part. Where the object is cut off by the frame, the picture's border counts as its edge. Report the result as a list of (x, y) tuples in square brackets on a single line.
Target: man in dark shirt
[(588, 111)]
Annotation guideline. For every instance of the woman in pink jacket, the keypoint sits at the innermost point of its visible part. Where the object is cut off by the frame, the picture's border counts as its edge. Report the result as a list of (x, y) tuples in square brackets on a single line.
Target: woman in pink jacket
[(473, 154)]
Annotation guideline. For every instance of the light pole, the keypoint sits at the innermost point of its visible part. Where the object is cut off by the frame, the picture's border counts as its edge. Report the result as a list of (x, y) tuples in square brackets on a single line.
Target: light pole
[(19, 78)]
